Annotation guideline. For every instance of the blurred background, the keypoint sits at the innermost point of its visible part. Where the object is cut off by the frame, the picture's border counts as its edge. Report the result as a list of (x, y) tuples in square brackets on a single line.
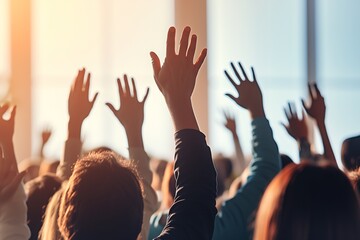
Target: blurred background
[(43, 43)]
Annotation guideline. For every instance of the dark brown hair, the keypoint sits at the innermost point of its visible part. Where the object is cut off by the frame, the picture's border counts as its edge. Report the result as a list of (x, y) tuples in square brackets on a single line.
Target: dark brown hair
[(308, 202), (39, 191), (103, 200)]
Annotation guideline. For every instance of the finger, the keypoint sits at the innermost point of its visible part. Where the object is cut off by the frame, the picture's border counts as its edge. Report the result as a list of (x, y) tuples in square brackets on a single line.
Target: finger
[(287, 114), (293, 107), (4, 108), (304, 105), (12, 116), (318, 93), (311, 93), (156, 64), (236, 72), (120, 88), (170, 43), (192, 48), (146, 95), (302, 114), (134, 88), (290, 110), (230, 78), (200, 59), (243, 71), (231, 96), (127, 87), (285, 126), (184, 42), (253, 73), (87, 83), (79, 80), (111, 107), (94, 99)]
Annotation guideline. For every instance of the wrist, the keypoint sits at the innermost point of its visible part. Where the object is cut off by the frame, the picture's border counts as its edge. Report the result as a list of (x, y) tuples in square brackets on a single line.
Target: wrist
[(257, 112), (134, 137), (74, 128), (183, 115)]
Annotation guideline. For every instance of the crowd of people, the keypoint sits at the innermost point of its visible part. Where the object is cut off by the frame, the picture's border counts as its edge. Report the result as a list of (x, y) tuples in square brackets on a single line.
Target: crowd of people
[(100, 194)]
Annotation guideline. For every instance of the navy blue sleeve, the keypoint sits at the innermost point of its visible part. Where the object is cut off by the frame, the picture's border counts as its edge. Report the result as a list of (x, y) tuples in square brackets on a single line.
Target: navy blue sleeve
[(193, 212)]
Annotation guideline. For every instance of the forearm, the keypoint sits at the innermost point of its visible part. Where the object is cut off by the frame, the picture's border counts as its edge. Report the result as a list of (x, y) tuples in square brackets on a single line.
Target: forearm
[(194, 206), (9, 151), (72, 150), (304, 150), (328, 151), (236, 212), (182, 114)]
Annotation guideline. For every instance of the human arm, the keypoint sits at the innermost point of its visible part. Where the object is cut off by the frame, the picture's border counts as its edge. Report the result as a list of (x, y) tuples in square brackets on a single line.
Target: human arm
[(45, 136), (13, 208), (230, 124), (131, 116), (317, 109), (192, 214), (233, 220), (79, 108), (297, 129)]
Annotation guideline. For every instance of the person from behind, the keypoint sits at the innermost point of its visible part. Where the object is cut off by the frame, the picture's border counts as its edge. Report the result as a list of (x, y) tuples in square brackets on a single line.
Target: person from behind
[(308, 202), (193, 212), (39, 191), (350, 153), (12, 195)]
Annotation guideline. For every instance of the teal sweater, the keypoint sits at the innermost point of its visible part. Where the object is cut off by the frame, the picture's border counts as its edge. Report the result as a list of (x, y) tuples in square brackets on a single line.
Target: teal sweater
[(236, 214), (234, 219)]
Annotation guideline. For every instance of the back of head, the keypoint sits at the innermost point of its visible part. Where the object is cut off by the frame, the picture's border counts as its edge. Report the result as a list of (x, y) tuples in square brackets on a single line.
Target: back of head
[(168, 187), (39, 191), (103, 200), (355, 179), (158, 167), (308, 202), (350, 153), (224, 169), (285, 160)]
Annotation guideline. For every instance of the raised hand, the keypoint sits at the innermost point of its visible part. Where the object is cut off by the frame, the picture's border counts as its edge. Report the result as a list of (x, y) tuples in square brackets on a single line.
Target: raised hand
[(10, 178), (230, 122), (316, 108), (45, 135), (79, 105), (250, 96), (177, 76), (7, 126), (131, 111), (296, 126)]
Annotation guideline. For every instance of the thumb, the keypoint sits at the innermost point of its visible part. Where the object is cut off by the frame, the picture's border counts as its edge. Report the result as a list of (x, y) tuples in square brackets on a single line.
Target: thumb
[(156, 64), (111, 107), (304, 105)]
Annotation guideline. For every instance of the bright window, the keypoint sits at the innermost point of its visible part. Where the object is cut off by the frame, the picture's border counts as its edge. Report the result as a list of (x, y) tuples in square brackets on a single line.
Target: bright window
[(4, 48), (338, 60), (109, 38), (269, 35)]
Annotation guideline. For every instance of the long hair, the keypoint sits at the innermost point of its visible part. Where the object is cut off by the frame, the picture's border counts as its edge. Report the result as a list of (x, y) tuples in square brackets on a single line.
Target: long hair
[(103, 200), (308, 202)]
